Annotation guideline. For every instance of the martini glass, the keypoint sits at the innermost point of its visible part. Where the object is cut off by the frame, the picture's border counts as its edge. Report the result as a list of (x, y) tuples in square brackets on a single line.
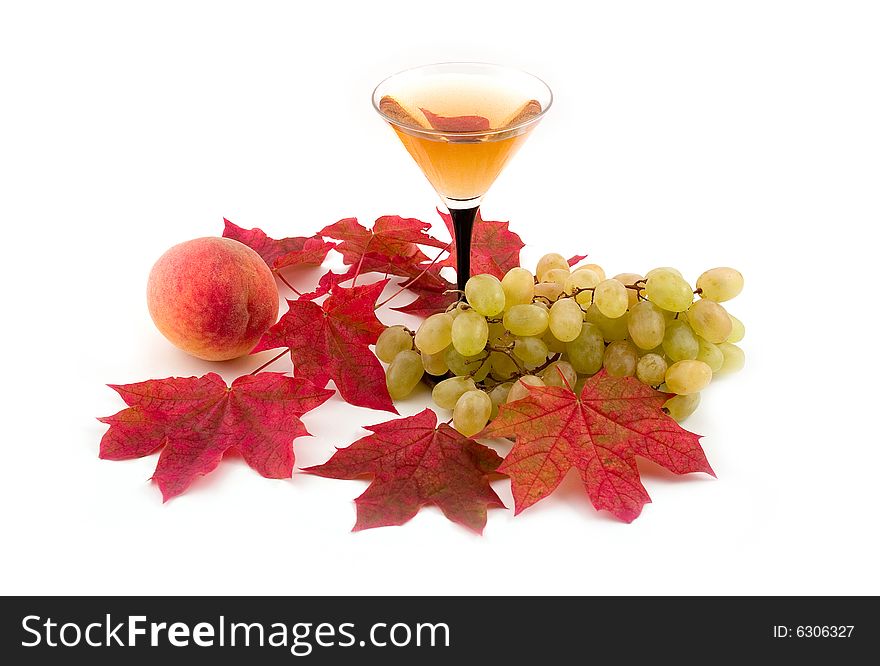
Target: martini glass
[(462, 122)]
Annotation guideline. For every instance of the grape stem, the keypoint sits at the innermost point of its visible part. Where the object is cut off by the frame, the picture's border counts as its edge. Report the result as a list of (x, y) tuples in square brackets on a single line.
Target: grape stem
[(578, 290), (508, 351), (523, 372), (432, 380), (482, 362), (550, 361)]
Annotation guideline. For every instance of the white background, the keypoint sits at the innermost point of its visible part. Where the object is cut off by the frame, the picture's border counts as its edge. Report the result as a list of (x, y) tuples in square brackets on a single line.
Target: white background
[(692, 134)]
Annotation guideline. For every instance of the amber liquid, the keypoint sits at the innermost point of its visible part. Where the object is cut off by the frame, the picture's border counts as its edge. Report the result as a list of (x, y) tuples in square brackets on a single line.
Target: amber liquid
[(461, 167)]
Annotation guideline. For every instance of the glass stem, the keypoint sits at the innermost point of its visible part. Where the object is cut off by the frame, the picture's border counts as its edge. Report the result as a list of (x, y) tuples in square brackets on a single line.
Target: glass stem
[(463, 226)]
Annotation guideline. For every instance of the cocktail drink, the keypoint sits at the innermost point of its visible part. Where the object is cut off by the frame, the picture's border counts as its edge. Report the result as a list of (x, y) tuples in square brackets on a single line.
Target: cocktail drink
[(462, 122)]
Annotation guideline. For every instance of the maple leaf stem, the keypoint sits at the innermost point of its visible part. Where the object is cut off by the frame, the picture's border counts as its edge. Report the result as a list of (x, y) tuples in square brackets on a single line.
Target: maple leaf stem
[(270, 361), (286, 283), (416, 278), (357, 271)]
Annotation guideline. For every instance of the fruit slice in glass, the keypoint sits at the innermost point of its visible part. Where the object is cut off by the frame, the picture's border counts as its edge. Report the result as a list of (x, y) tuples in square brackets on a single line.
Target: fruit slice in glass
[(461, 123)]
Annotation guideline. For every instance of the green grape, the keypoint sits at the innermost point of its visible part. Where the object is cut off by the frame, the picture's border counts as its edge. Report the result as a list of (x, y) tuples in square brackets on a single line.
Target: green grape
[(566, 320), (548, 290), (404, 374), (579, 386), (666, 269), (611, 298), (552, 377), (435, 364), (462, 365), (530, 319), (651, 369), (630, 279), (558, 275), (685, 377), (668, 290), (734, 358), (519, 287), (482, 367), (680, 343), (581, 278), (470, 333), (587, 351), (485, 294), (612, 329), (710, 355), (447, 392), (553, 343), (497, 333), (519, 391), (531, 351), (737, 330), (582, 281), (393, 340), (596, 268), (460, 307), (720, 284), (435, 333), (502, 366), (498, 396), (646, 325), (710, 321), (621, 358), (548, 262), (680, 407), (471, 413)]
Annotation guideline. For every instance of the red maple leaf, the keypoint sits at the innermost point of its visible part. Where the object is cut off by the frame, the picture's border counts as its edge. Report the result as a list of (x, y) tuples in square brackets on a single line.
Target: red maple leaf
[(429, 299), (294, 251), (494, 247), (415, 462), (456, 123), (428, 281), (576, 258), (401, 267), (330, 341), (391, 246), (196, 420), (327, 282), (599, 434)]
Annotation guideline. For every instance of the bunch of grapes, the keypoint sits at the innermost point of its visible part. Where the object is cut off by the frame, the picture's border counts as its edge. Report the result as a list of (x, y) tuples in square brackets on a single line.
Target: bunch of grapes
[(558, 327)]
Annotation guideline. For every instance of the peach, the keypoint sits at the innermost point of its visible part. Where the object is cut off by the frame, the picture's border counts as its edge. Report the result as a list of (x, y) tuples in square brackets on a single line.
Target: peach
[(212, 297)]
